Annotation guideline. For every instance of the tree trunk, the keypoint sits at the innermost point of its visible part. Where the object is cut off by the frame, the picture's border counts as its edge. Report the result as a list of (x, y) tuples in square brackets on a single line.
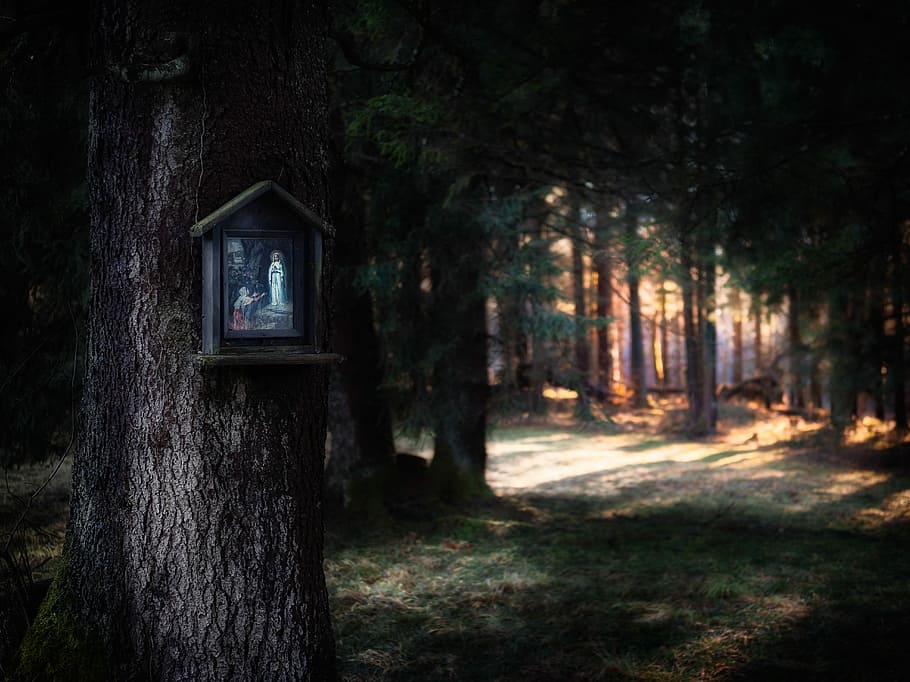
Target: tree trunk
[(539, 365), (620, 348), (510, 307), (655, 354), (604, 306), (815, 384), (359, 456), (843, 347), (679, 344), (709, 342), (898, 368), (582, 349), (797, 360), (736, 304), (636, 350), (582, 352), (413, 310), (693, 351), (875, 343), (757, 311), (460, 372), (665, 365), (195, 538)]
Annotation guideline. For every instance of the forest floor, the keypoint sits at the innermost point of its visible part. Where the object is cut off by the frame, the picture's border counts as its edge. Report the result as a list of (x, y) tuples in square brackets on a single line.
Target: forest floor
[(616, 551), (623, 553)]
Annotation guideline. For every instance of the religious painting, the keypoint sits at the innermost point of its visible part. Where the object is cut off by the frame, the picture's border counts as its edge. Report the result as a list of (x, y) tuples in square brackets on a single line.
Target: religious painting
[(258, 277)]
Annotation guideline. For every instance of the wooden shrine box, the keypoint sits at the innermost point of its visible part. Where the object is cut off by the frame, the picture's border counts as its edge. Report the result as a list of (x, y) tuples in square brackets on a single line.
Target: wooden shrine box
[(261, 274)]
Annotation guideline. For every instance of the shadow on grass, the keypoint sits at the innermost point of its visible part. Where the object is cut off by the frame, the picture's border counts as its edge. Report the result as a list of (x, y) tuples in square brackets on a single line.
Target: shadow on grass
[(566, 588)]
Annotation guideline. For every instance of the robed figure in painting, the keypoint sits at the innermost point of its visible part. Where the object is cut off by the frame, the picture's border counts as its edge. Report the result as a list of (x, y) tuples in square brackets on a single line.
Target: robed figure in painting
[(277, 290), (242, 308)]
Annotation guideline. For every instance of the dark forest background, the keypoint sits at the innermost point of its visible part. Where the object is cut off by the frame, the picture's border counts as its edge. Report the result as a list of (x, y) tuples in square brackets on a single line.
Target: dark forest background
[(529, 194)]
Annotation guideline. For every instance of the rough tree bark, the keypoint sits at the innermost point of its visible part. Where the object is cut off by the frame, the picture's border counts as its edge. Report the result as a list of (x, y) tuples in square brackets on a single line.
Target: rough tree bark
[(195, 539)]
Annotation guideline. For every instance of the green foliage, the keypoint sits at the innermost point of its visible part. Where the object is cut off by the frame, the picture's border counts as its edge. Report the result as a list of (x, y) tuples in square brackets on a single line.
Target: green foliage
[(398, 125)]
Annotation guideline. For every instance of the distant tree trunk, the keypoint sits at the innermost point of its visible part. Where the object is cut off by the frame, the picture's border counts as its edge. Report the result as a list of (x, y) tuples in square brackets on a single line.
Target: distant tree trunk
[(513, 341), (876, 344), (898, 368), (709, 342), (359, 456), (815, 383), (693, 144), (460, 386), (343, 458), (797, 361), (694, 392), (621, 348), (655, 354), (195, 537), (757, 312), (843, 350), (604, 305), (679, 349), (736, 304), (666, 368), (412, 308), (636, 350), (538, 366), (582, 351)]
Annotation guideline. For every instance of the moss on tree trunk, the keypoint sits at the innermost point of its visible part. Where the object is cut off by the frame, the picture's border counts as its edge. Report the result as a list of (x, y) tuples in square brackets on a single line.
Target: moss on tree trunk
[(59, 645)]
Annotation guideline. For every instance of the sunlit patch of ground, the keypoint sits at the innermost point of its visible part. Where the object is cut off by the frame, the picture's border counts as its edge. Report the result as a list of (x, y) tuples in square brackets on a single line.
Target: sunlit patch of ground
[(872, 432), (622, 553), (637, 471)]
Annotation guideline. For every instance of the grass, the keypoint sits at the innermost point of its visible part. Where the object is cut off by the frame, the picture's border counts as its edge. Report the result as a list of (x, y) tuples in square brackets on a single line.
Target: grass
[(32, 530), (34, 507), (623, 556), (553, 589), (618, 553)]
